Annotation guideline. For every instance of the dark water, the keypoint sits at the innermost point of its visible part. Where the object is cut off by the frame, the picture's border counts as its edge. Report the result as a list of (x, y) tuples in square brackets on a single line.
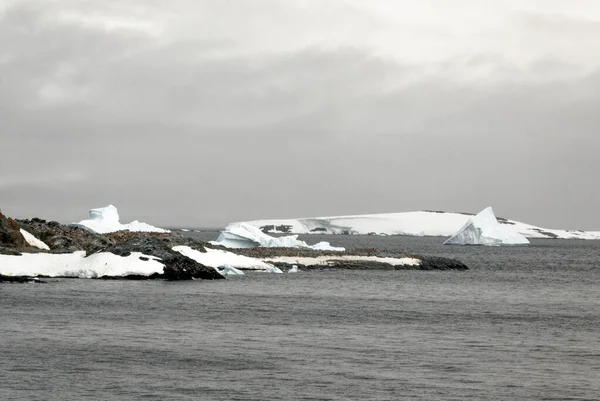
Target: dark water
[(522, 324)]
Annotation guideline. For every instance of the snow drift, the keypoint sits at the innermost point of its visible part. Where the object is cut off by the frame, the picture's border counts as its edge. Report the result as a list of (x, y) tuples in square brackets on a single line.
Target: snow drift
[(77, 265), (484, 229), (217, 258), (244, 235), (106, 220)]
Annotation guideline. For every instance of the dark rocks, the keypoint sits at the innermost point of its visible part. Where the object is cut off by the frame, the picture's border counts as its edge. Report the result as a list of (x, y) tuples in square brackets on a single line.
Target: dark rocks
[(19, 279), (438, 263), (10, 235), (177, 266), (65, 239)]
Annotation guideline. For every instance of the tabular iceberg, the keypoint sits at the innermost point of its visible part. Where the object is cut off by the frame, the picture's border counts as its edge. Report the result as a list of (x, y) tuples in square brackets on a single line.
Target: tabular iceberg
[(105, 220), (484, 229), (244, 235)]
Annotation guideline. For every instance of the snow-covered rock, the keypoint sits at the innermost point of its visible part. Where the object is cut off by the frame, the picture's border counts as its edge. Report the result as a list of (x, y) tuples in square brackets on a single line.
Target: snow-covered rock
[(77, 265), (328, 260), (484, 229), (34, 241), (106, 220), (423, 223), (217, 258), (243, 235)]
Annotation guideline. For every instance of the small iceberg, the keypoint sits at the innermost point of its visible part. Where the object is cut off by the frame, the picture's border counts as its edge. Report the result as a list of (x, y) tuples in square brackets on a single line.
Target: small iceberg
[(294, 269), (244, 235), (105, 220), (228, 270), (484, 229)]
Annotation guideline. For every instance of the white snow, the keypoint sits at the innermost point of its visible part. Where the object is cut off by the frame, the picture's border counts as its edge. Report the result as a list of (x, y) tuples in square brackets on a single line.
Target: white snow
[(217, 258), (423, 223), (328, 260), (484, 229), (77, 265), (106, 220), (33, 241), (243, 235)]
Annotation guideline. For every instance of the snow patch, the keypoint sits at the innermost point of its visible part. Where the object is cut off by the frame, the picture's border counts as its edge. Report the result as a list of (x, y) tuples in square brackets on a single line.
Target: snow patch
[(484, 229), (33, 241), (106, 220), (217, 258), (77, 265), (328, 260)]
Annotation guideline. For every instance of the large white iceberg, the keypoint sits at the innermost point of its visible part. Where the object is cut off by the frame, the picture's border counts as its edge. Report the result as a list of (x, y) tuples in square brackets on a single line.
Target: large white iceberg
[(244, 235), (106, 220), (484, 229), (422, 223)]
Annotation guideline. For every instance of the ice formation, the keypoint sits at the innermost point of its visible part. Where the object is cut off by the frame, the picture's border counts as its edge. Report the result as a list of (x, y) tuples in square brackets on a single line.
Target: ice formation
[(430, 223), (484, 229), (77, 265), (243, 235), (33, 241), (230, 271), (294, 269), (106, 220)]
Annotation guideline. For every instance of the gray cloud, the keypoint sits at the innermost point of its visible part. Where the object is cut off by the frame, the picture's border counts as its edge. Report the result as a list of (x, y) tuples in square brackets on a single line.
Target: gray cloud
[(185, 125)]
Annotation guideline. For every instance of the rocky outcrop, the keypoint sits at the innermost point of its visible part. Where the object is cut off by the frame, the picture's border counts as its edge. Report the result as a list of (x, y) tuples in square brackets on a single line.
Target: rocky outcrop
[(177, 266), (11, 239), (65, 239)]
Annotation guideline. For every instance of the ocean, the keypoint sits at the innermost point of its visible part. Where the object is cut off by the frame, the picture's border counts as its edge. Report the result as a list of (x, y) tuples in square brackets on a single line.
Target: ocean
[(522, 324)]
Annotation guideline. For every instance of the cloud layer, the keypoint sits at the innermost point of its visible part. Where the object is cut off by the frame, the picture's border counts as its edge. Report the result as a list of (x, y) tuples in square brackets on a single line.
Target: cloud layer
[(203, 112)]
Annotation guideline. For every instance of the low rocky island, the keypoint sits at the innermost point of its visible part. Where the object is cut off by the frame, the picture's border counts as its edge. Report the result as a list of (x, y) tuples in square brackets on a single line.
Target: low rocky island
[(33, 249)]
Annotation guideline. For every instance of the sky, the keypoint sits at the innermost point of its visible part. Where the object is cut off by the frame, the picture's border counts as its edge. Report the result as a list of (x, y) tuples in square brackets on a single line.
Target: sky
[(197, 113)]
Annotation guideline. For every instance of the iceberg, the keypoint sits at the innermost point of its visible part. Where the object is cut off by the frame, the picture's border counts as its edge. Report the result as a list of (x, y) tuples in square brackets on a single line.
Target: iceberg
[(244, 235), (106, 220), (420, 223), (484, 229), (230, 271)]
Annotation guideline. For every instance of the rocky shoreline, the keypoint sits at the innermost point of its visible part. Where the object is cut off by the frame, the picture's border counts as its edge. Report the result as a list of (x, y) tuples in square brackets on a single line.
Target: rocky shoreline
[(65, 239)]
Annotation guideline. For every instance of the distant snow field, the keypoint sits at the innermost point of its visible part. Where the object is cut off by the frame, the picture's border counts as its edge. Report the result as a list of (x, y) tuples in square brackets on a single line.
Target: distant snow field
[(423, 223)]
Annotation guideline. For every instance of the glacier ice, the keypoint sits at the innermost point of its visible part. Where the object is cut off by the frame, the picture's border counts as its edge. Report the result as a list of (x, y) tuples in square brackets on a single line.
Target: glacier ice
[(105, 220), (484, 229), (244, 235)]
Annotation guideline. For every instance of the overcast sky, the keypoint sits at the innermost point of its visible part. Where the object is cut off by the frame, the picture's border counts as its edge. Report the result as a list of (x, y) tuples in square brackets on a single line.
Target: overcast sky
[(202, 112)]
